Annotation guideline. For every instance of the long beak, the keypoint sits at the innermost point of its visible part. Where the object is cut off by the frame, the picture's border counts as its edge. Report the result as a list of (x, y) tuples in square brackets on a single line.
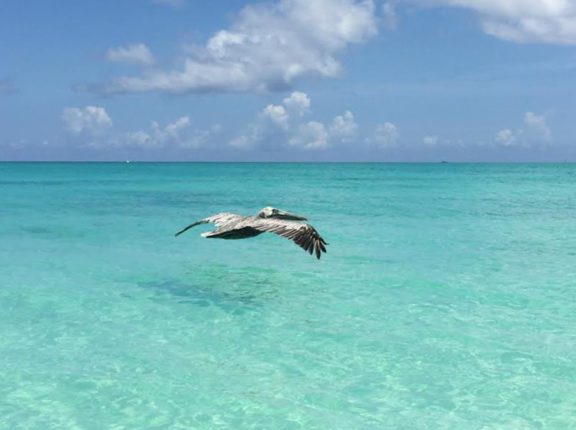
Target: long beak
[(287, 215)]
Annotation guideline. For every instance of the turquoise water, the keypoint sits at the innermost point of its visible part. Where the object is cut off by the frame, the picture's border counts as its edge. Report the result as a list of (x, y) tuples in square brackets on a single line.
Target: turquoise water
[(447, 299)]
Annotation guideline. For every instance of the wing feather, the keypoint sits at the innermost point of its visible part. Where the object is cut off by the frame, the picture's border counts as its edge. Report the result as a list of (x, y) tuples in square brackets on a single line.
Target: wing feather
[(220, 220), (303, 235)]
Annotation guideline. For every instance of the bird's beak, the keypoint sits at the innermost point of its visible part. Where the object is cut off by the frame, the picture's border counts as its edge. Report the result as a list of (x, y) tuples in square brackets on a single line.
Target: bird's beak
[(289, 216)]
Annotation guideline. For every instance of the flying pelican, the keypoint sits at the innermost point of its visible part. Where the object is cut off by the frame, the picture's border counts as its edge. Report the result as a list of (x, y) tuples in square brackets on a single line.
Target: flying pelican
[(232, 226)]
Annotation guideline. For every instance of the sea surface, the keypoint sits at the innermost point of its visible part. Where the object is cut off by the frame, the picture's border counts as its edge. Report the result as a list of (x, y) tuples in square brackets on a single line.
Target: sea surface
[(447, 298)]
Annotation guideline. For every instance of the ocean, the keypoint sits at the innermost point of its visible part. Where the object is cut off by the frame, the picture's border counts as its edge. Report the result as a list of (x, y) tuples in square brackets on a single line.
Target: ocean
[(447, 298)]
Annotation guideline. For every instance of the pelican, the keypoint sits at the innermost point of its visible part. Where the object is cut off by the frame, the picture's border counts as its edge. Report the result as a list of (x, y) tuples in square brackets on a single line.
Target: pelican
[(269, 219)]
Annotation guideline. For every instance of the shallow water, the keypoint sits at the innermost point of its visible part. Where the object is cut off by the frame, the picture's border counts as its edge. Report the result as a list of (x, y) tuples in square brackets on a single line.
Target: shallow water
[(447, 299)]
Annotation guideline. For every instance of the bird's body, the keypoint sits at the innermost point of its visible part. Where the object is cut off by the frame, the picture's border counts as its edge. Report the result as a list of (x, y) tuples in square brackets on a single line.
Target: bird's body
[(285, 224)]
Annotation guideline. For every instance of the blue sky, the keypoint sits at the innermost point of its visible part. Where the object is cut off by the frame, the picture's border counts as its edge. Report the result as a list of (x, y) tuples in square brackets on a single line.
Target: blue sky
[(288, 80)]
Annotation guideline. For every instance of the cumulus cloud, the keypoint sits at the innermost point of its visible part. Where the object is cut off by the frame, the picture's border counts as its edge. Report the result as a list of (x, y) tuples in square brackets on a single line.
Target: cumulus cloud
[(385, 135), (253, 135), (286, 123), (344, 127), (507, 137), (537, 126), (295, 105), (535, 132), (430, 141), (271, 45), (157, 136), (94, 126), (389, 15), (311, 135), (132, 54), (278, 114), (91, 119), (174, 129), (267, 48), (175, 134), (297, 102), (546, 21)]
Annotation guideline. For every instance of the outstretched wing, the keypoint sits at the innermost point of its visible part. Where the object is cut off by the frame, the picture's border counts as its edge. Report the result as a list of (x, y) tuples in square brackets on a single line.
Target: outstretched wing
[(221, 220), (303, 235)]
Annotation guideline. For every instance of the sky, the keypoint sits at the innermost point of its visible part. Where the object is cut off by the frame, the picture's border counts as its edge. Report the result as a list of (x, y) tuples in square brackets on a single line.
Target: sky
[(288, 80)]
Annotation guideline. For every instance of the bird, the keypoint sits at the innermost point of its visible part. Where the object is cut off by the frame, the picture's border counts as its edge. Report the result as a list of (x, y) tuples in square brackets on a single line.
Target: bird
[(269, 219)]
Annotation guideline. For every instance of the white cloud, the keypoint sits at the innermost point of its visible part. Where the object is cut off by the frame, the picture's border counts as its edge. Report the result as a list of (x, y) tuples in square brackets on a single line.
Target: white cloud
[(134, 54), (389, 15), (200, 138), (547, 21), (506, 137), (251, 137), (430, 141), (175, 129), (436, 142), (285, 123), (344, 127), (92, 119), (271, 45), (311, 135), (297, 102), (94, 126), (176, 134), (267, 48), (535, 132), (136, 138), (385, 135), (278, 114), (241, 142), (537, 127)]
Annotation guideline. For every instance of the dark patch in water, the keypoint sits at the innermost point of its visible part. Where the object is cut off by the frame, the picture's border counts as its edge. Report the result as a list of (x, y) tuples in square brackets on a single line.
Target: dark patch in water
[(51, 232), (228, 297), (37, 230)]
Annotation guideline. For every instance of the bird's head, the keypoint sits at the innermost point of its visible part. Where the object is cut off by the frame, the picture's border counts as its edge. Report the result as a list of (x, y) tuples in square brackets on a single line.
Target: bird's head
[(270, 212)]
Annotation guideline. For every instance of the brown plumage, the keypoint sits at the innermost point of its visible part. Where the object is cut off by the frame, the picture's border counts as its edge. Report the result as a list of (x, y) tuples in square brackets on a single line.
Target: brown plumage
[(271, 220)]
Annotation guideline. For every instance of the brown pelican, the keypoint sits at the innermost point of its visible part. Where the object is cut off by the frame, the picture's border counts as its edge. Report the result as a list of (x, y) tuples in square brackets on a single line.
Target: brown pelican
[(285, 224)]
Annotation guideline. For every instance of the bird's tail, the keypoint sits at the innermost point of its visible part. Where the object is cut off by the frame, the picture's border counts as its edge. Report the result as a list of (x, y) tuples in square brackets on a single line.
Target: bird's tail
[(194, 224)]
